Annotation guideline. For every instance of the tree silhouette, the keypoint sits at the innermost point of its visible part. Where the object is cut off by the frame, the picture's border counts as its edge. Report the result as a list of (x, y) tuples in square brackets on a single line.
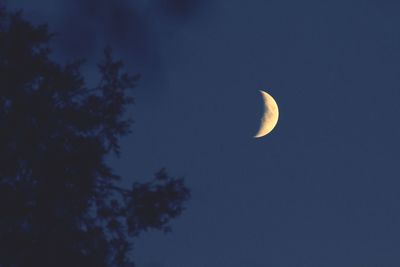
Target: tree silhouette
[(60, 203)]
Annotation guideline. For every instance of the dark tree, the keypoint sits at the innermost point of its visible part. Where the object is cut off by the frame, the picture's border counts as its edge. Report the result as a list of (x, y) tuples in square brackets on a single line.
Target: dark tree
[(60, 203)]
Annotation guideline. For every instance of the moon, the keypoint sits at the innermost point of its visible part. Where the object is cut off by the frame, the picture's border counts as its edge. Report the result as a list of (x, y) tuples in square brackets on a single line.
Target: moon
[(270, 117)]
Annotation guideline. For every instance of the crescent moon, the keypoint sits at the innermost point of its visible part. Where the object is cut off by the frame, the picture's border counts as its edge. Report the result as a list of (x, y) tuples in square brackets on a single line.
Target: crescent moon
[(270, 117)]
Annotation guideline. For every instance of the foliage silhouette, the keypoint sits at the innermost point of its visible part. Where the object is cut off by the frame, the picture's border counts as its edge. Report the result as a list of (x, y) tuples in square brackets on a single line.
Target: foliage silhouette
[(60, 203)]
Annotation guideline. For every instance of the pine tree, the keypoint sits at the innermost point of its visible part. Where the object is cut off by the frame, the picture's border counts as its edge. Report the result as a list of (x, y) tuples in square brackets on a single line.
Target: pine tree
[(60, 203)]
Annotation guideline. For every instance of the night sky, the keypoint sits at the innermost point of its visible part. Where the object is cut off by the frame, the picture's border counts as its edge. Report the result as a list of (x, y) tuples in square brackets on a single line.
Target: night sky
[(322, 189)]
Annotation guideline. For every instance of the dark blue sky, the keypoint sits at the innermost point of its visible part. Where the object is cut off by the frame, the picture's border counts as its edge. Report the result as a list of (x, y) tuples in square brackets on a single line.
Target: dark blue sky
[(323, 188)]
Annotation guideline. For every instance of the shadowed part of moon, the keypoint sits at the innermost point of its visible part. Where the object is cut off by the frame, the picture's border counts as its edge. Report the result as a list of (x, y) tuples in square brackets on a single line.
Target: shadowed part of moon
[(270, 117)]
